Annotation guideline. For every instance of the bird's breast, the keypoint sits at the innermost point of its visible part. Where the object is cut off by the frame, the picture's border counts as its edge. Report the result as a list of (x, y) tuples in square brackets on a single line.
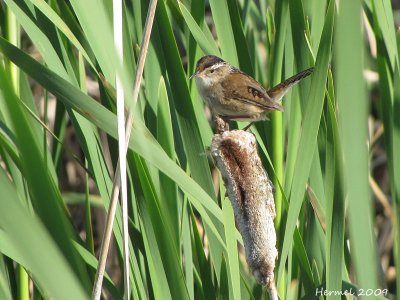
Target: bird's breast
[(212, 93), (208, 89)]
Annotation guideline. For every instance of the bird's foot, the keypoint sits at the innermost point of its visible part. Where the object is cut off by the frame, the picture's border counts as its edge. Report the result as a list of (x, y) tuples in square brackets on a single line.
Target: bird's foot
[(221, 125)]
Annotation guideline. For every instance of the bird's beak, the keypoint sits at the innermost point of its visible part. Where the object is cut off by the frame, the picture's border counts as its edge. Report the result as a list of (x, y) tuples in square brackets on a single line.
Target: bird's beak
[(194, 75)]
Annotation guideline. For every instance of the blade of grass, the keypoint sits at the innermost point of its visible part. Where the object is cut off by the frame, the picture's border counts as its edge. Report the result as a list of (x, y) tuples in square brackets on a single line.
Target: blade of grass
[(206, 45), (240, 40), (308, 136), (46, 197), (157, 273), (389, 76), (384, 19), (336, 205), (165, 136), (88, 12), (40, 40), (59, 23), (13, 34), (5, 289), (168, 249), (188, 127), (224, 30), (197, 11), (301, 62), (201, 263), (193, 145), (353, 109), (52, 271), (232, 253), (281, 20), (395, 183), (187, 251)]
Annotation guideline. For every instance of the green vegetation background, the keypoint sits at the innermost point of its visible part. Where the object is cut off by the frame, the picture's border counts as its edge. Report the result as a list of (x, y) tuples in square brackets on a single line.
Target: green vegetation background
[(332, 155)]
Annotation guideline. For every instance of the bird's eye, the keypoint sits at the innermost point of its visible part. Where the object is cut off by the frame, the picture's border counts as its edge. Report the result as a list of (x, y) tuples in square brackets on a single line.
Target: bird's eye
[(212, 71)]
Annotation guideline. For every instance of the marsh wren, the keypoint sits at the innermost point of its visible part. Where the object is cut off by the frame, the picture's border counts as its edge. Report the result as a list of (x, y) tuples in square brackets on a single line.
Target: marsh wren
[(234, 95)]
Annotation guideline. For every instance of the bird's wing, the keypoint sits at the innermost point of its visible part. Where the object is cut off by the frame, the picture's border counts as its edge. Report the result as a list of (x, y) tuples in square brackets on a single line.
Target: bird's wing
[(277, 92), (242, 87)]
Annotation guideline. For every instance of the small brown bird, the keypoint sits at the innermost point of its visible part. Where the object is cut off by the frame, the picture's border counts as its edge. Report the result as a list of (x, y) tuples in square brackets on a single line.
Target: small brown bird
[(234, 95)]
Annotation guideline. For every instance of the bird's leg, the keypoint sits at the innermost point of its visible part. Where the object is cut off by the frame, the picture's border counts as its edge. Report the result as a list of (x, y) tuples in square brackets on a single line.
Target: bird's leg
[(221, 124)]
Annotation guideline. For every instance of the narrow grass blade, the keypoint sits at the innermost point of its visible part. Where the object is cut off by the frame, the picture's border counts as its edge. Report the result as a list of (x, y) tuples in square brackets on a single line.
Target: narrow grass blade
[(165, 136), (52, 271), (57, 21), (193, 145), (240, 39), (224, 30), (167, 246), (42, 42), (46, 197), (308, 137), (275, 75), (232, 253), (353, 109), (335, 204), (201, 39), (157, 272)]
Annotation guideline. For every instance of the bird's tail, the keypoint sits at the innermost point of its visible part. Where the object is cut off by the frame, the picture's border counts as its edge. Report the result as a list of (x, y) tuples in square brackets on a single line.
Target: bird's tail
[(280, 90)]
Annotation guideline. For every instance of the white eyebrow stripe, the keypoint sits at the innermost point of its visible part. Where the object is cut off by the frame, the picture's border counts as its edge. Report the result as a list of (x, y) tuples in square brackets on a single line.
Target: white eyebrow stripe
[(218, 65)]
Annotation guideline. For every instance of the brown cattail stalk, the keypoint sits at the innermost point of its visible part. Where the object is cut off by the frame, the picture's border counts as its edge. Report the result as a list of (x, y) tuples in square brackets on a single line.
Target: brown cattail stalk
[(252, 198)]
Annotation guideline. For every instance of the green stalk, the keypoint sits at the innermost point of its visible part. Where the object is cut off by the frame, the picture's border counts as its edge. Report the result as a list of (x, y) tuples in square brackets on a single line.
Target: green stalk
[(13, 36), (88, 216), (281, 20), (23, 287), (45, 121), (277, 160)]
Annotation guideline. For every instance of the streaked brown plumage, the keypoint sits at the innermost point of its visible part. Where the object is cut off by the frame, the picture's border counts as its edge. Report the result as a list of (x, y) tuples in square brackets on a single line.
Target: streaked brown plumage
[(234, 95)]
